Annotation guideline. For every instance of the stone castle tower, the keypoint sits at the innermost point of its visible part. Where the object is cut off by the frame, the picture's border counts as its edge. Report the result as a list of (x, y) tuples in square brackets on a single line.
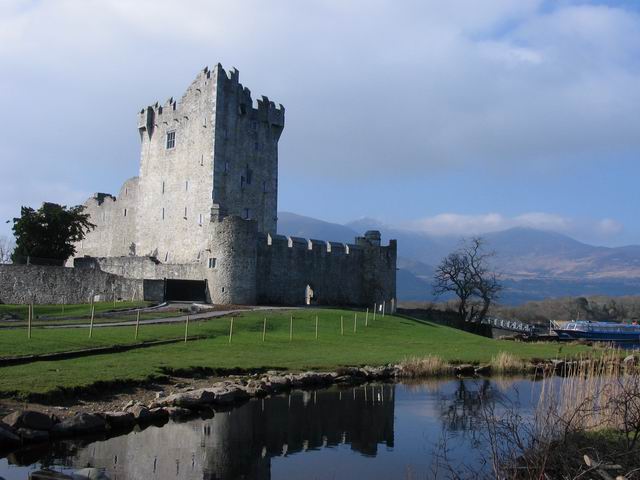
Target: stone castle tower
[(204, 206)]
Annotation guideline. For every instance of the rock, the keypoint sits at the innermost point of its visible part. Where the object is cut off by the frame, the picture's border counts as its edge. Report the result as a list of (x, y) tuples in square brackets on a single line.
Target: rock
[(192, 399), (256, 388), (33, 436), (483, 370), (128, 405), (80, 424), (178, 412), (228, 394), (29, 419), (277, 382), (464, 370), (629, 360), (160, 395), (120, 420), (8, 437), (158, 414), (140, 413)]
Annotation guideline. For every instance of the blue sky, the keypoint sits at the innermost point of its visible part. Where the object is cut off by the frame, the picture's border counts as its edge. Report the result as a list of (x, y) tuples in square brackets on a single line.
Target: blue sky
[(455, 117)]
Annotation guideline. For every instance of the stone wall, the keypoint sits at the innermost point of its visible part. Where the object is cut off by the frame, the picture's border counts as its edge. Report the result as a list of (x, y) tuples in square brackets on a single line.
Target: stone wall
[(142, 267), (338, 274), (39, 284)]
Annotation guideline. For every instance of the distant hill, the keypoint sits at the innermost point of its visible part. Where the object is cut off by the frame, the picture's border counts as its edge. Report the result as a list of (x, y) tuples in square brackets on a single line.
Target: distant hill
[(534, 264)]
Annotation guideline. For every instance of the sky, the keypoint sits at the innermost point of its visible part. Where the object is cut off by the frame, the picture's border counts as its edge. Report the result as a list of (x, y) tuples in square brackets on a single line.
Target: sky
[(457, 117)]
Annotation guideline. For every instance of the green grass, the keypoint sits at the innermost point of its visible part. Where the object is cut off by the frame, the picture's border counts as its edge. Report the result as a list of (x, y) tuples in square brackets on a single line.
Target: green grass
[(389, 339), (121, 317), (72, 310)]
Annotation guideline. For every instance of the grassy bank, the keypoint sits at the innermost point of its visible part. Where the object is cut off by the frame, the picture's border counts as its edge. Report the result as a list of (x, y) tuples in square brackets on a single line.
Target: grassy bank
[(71, 310), (389, 339)]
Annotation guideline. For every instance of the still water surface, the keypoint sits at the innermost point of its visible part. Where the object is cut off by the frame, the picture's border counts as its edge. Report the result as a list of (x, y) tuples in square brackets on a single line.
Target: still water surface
[(381, 431)]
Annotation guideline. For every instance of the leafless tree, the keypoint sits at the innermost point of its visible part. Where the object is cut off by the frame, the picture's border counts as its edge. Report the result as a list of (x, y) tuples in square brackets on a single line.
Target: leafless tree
[(466, 273), (6, 248)]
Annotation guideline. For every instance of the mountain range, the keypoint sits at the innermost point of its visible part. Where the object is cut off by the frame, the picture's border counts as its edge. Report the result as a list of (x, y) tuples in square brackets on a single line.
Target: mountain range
[(533, 264)]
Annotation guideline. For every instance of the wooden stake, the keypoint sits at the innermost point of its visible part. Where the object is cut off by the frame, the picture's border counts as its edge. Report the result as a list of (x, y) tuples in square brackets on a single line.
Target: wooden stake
[(93, 311), (366, 318), (384, 304), (137, 324), (186, 329), (375, 308), (264, 329), (341, 325), (355, 323), (231, 330), (29, 315), (316, 327), (291, 329)]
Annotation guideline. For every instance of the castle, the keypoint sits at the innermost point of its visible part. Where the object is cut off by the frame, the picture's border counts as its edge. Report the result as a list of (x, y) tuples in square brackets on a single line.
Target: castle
[(200, 220)]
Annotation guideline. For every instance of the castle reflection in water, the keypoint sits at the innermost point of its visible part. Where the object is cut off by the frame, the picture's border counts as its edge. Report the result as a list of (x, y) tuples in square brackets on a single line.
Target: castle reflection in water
[(241, 443)]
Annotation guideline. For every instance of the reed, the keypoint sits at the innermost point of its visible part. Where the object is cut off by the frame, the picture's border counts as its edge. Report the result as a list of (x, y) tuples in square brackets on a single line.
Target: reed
[(429, 366), (505, 362)]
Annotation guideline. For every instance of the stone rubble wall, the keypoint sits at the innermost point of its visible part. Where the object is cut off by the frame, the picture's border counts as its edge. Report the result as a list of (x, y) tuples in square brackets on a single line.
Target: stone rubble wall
[(21, 284)]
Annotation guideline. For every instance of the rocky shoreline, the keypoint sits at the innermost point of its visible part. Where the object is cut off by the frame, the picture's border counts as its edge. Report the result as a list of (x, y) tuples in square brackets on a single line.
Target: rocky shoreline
[(25, 427)]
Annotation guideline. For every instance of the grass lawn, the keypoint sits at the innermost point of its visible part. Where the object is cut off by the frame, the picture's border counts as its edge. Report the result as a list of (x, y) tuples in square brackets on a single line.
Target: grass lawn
[(386, 340), (112, 318), (72, 310)]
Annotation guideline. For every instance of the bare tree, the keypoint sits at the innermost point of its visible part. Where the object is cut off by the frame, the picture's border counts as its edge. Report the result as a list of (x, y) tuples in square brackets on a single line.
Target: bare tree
[(467, 275), (6, 249)]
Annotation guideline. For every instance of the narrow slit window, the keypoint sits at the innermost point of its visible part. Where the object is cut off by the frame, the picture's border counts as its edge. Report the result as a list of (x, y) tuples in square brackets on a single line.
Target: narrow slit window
[(212, 262), (162, 213), (247, 214), (185, 213), (125, 212), (171, 140), (163, 187), (186, 186), (200, 219)]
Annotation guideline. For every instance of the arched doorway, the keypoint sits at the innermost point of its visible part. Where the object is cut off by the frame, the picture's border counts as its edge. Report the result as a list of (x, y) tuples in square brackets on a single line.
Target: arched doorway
[(308, 295)]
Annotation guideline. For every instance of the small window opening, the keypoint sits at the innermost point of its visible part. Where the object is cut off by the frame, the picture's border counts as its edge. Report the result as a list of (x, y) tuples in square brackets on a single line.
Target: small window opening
[(242, 109), (222, 289), (186, 186), (248, 174), (247, 214), (163, 187), (125, 212), (226, 167), (242, 181), (200, 219), (162, 213), (166, 256), (201, 160), (212, 262), (185, 213), (171, 140)]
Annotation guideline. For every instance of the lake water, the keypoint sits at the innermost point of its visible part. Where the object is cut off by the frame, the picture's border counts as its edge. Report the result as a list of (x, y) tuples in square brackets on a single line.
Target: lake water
[(380, 431)]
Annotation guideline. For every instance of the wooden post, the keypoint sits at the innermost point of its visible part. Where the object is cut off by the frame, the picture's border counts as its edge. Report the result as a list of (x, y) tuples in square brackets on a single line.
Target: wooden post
[(93, 311), (355, 323), (366, 318), (341, 325), (186, 329), (291, 329), (384, 304), (63, 299), (375, 308), (316, 327), (231, 330), (137, 324), (29, 314), (264, 329)]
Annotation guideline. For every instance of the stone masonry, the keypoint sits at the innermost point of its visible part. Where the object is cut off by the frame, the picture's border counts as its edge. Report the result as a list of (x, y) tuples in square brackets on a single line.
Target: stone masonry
[(204, 207)]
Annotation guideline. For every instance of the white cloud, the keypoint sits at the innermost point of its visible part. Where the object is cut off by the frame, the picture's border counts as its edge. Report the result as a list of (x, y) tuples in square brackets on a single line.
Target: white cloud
[(445, 224)]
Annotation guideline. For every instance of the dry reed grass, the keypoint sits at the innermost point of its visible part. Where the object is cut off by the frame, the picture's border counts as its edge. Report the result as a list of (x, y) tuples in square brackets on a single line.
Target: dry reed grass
[(429, 366), (505, 362)]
